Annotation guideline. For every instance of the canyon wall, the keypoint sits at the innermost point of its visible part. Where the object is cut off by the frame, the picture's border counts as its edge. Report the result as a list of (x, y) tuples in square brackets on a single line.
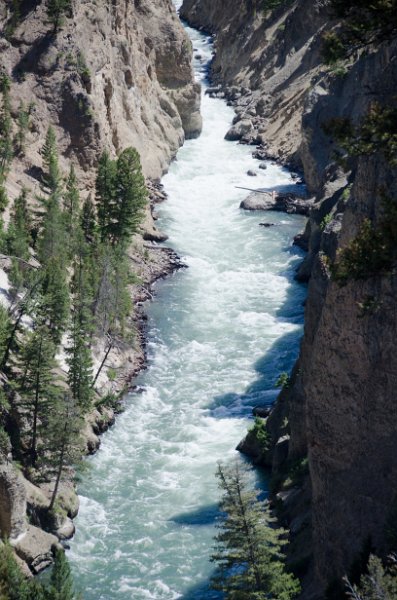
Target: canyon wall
[(339, 411), (115, 74)]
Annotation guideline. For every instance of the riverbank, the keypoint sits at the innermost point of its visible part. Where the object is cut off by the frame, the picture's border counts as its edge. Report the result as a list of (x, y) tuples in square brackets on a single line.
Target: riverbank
[(217, 334)]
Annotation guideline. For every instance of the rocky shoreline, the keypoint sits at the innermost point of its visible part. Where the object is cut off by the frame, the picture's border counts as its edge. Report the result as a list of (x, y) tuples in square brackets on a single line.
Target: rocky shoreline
[(35, 542)]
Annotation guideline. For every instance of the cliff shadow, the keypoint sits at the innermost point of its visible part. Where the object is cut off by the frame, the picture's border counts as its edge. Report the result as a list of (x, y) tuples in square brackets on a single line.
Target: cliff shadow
[(202, 516), (278, 359), (202, 591)]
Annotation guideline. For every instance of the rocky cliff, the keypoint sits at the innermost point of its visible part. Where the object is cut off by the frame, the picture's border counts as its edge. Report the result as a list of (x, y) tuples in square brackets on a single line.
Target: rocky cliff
[(338, 416), (115, 74)]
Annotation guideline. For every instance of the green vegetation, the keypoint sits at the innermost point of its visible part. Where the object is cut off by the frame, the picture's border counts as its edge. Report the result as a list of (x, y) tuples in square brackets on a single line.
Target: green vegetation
[(283, 381), (15, 17), (248, 551), (15, 586), (376, 132), (75, 292), (261, 434), (57, 10), (6, 146), (362, 24), (372, 252), (379, 582), (325, 221)]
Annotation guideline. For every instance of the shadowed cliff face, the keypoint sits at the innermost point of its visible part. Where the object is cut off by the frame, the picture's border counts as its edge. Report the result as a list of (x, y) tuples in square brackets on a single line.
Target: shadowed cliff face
[(266, 61), (341, 407), (117, 74)]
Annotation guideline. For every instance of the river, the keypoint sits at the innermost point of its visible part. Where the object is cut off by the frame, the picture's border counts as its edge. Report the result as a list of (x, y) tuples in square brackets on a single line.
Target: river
[(219, 333)]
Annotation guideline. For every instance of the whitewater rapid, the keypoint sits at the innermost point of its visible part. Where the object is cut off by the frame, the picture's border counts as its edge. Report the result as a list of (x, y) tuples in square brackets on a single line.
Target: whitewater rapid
[(219, 333)]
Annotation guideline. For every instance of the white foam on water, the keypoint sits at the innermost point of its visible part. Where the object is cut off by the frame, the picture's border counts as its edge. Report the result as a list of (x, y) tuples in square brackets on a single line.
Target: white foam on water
[(220, 332)]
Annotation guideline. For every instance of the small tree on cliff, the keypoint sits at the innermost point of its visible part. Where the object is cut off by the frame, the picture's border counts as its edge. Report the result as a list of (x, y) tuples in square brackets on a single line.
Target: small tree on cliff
[(56, 10), (379, 583), (248, 550)]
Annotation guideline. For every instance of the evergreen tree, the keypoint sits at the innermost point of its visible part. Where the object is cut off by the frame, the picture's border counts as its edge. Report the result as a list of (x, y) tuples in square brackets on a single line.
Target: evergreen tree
[(130, 197), (6, 152), (248, 549), (379, 583), (63, 439), (23, 128), (88, 222), (52, 252), (54, 305), (36, 385), (105, 194), (61, 583), (13, 584), (71, 199), (121, 196), (79, 352), (56, 9), (18, 240), (52, 175)]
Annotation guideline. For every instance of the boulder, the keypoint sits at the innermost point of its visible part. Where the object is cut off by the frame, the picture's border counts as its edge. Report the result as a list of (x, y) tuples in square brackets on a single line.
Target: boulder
[(263, 166), (66, 531), (36, 548), (241, 129), (279, 201), (251, 173), (261, 411)]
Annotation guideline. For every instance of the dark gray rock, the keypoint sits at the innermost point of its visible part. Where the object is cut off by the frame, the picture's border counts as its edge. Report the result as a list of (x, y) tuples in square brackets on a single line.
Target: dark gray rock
[(282, 202)]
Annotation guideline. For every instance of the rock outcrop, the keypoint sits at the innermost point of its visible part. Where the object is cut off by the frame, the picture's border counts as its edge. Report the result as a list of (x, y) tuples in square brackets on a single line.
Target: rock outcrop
[(339, 411), (279, 201), (117, 74)]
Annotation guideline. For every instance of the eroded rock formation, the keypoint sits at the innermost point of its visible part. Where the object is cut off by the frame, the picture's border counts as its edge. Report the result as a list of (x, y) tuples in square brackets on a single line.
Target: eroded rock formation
[(339, 411)]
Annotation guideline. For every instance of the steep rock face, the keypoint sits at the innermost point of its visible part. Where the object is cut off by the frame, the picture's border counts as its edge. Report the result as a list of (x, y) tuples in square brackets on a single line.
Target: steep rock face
[(267, 62), (12, 503), (117, 74), (340, 407)]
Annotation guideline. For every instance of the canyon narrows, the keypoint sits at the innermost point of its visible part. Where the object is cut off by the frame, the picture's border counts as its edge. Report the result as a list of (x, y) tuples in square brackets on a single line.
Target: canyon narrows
[(219, 333)]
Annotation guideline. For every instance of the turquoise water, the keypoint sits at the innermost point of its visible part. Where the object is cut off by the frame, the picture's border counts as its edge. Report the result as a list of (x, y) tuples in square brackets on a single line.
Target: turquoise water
[(219, 334)]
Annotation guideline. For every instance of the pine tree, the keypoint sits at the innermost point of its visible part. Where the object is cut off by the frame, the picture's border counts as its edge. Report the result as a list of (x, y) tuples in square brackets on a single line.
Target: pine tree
[(52, 176), (52, 252), (6, 151), (23, 128), (61, 583), (63, 440), (130, 197), (54, 306), (13, 585), (88, 222), (36, 386), (248, 549), (378, 583), (79, 353), (18, 241), (56, 9), (71, 199), (105, 193)]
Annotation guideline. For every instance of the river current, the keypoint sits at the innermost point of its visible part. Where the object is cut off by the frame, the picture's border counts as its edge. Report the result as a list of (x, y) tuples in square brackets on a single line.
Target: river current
[(219, 333)]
